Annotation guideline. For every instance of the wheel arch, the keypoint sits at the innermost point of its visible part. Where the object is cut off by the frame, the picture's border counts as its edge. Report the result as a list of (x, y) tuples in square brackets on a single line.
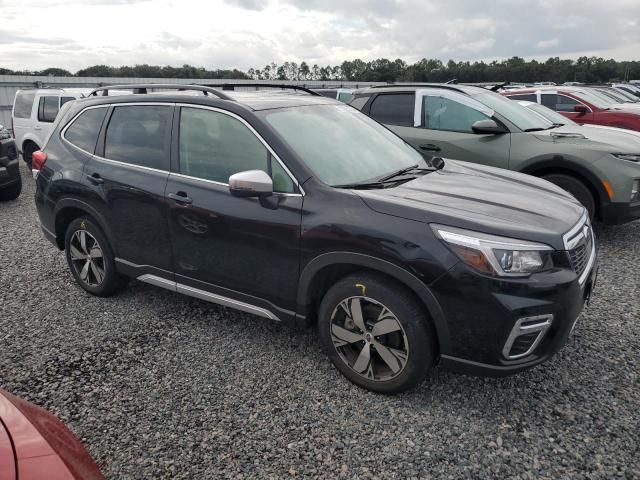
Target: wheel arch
[(29, 139), (329, 267), (69, 209), (562, 165)]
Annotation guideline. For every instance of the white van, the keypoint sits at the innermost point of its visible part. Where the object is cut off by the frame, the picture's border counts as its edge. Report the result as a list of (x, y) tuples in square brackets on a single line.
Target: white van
[(34, 111)]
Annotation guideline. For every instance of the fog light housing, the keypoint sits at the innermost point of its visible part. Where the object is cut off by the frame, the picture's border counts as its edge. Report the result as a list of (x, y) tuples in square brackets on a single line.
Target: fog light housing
[(526, 335)]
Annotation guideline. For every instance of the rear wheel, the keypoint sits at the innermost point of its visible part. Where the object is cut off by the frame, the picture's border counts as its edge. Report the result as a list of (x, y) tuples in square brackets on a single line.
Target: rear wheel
[(12, 191), (376, 333), (90, 258), (576, 188)]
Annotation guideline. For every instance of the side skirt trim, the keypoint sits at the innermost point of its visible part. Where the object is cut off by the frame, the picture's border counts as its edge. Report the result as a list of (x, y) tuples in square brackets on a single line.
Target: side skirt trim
[(208, 296)]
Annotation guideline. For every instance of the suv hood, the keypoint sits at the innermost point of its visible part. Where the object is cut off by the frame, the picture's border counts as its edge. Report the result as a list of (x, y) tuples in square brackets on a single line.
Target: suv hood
[(606, 139), (483, 199)]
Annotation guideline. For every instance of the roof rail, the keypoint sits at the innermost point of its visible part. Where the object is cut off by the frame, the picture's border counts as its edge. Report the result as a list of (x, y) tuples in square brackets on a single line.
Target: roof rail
[(232, 86), (450, 86), (142, 88)]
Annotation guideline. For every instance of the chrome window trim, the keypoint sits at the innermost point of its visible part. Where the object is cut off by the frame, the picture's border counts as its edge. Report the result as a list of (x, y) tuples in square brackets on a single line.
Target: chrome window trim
[(204, 107), (257, 135), (208, 296), (220, 184)]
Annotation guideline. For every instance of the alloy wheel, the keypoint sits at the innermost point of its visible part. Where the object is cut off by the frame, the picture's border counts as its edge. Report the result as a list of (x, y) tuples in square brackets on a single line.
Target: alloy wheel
[(369, 338), (87, 258)]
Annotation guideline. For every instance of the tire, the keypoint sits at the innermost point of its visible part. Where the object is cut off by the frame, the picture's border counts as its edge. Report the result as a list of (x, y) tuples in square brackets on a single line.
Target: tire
[(27, 152), (12, 191), (98, 274), (407, 337), (576, 188)]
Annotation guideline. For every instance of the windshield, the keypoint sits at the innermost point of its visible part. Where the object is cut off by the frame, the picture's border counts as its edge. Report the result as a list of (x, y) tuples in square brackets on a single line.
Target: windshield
[(340, 144), (597, 100), (520, 116), (550, 115)]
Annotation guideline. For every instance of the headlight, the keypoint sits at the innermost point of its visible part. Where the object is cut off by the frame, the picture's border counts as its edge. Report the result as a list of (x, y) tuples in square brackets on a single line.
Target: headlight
[(630, 157), (505, 257)]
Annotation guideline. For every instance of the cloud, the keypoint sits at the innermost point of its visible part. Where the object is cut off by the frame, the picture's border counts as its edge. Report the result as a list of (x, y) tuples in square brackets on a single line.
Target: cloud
[(253, 33)]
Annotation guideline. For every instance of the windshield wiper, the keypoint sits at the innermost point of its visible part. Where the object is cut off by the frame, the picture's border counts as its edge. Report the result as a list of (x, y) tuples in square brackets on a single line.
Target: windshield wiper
[(538, 129), (382, 182), (403, 171)]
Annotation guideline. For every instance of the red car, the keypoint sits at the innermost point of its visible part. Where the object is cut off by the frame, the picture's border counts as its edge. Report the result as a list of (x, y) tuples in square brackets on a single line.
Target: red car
[(580, 105), (35, 445)]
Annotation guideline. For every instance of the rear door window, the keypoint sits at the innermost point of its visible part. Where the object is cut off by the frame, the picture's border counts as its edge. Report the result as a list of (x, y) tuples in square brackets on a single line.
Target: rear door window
[(83, 132), (23, 104), (140, 135), (48, 107), (394, 109)]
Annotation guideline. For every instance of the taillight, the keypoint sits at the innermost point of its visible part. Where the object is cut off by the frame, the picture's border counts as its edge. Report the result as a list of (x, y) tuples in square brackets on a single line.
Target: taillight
[(38, 159)]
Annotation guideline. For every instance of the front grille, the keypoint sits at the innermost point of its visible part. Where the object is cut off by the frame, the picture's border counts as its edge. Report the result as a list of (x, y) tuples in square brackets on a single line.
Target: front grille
[(579, 258), (579, 243)]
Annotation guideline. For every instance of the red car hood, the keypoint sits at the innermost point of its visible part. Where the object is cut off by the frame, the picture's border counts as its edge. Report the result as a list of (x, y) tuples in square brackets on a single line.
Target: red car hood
[(36, 445)]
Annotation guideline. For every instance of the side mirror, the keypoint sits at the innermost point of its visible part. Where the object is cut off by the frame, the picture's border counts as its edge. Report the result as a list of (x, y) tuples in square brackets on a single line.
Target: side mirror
[(488, 127), (251, 183), (581, 109)]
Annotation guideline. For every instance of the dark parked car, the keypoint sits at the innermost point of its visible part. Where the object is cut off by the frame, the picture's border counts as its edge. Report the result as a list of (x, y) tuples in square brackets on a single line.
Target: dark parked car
[(297, 207), (10, 180)]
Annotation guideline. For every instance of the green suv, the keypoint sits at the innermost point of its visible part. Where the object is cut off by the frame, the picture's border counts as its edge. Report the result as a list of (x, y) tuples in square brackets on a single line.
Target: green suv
[(601, 169)]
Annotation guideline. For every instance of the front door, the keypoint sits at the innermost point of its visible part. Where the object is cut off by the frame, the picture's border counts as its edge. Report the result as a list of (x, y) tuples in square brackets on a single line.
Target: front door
[(442, 127), (240, 248)]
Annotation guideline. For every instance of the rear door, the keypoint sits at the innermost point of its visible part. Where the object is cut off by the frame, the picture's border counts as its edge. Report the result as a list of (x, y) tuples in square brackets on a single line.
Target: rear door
[(233, 247), (127, 177)]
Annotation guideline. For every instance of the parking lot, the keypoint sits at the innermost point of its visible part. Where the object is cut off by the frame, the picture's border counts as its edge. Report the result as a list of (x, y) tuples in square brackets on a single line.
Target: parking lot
[(160, 385)]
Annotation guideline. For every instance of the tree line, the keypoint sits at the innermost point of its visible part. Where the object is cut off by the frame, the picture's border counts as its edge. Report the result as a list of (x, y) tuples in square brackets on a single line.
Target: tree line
[(515, 69)]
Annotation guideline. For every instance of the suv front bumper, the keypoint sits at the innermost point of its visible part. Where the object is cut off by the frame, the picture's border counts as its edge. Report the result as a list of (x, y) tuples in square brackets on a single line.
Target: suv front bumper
[(501, 326)]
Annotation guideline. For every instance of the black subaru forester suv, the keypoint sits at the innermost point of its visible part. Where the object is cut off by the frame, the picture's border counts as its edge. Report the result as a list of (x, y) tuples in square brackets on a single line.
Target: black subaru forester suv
[(298, 207)]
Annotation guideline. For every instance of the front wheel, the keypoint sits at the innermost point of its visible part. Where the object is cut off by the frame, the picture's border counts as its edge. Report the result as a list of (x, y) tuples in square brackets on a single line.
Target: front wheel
[(576, 188), (376, 333)]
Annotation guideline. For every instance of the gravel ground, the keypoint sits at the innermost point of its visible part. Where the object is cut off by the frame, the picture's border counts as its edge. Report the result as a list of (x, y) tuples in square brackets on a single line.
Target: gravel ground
[(160, 385)]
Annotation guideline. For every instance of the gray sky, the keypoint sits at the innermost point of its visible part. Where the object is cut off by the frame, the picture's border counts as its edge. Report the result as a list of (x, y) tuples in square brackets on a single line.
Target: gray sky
[(71, 34)]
